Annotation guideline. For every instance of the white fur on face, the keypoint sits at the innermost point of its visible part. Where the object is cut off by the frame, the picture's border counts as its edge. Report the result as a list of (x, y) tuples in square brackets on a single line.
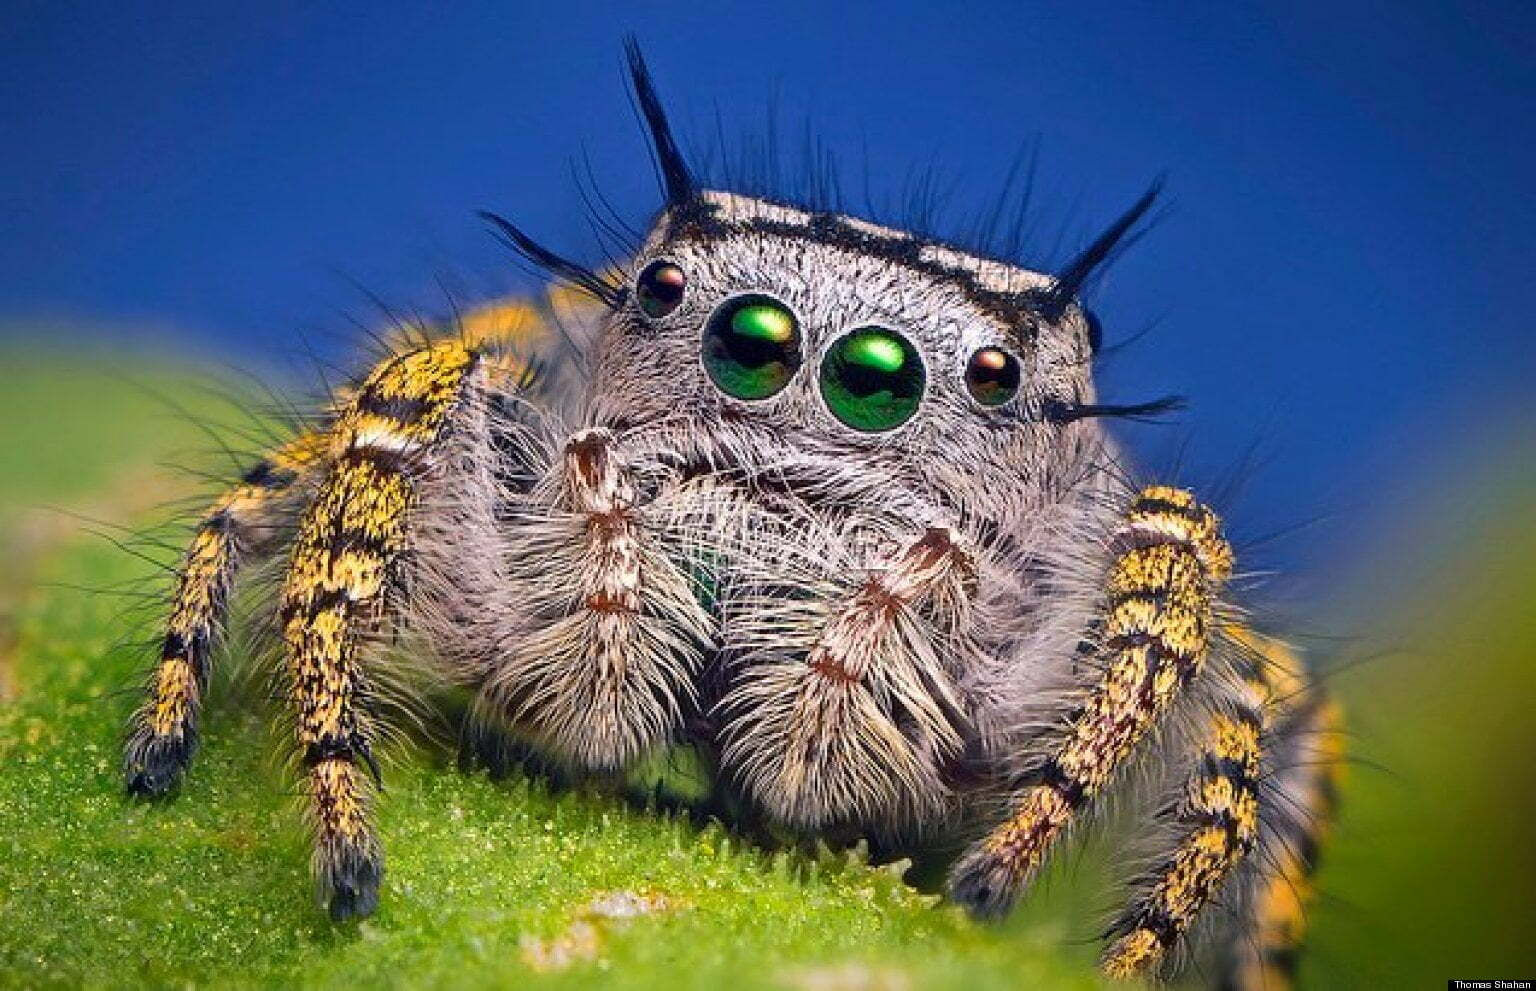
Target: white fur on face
[(725, 544)]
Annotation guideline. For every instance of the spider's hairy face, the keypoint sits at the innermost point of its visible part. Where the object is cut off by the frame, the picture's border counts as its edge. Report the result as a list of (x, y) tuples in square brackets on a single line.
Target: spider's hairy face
[(756, 330)]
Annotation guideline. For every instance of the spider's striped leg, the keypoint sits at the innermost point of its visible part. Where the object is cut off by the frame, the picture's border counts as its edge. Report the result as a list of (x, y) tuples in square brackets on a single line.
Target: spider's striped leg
[(1170, 561), (1231, 808), (1216, 828), (1296, 809), (164, 730), (349, 543)]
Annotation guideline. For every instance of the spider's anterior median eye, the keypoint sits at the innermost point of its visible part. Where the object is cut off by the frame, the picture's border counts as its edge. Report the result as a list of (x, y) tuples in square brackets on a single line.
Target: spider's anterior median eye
[(752, 347), (659, 289), (992, 376), (872, 379)]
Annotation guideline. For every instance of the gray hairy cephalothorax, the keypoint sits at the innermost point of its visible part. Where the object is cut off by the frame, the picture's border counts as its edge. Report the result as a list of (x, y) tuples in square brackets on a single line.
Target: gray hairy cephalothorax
[(830, 502)]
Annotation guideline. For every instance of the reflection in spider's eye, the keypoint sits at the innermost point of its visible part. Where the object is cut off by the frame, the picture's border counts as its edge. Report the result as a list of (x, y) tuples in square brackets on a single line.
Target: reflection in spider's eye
[(872, 379), (992, 376), (659, 289), (752, 347)]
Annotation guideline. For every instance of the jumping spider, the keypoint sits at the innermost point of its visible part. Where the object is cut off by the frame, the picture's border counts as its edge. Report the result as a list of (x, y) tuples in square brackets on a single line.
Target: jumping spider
[(828, 500)]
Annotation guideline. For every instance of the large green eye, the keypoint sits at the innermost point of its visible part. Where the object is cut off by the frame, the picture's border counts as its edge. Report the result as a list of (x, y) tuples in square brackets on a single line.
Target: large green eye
[(752, 347), (872, 379), (992, 376)]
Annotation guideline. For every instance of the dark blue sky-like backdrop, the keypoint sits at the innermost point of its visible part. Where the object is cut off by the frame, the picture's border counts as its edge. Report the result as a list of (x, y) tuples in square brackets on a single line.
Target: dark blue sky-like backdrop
[(1344, 278)]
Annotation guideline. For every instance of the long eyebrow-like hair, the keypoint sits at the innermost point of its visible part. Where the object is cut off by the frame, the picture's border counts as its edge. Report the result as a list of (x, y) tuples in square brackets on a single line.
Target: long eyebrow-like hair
[(820, 192), (610, 292)]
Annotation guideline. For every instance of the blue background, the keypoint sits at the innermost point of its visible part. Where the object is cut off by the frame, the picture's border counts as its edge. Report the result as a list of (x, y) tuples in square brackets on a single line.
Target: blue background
[(1343, 284)]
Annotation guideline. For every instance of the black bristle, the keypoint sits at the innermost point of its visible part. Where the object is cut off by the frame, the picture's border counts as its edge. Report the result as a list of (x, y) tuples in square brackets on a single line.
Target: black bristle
[(1061, 411), (563, 268), (676, 178), (1064, 289)]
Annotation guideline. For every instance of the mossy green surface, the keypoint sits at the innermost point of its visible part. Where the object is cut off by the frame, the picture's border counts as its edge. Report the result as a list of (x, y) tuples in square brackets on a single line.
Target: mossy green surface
[(503, 883), (212, 887)]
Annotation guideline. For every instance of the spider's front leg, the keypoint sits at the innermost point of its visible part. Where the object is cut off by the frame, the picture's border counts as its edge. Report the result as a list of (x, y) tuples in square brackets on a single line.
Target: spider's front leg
[(350, 540), (239, 525), (1217, 827), (1297, 803), (1249, 822), (1169, 563)]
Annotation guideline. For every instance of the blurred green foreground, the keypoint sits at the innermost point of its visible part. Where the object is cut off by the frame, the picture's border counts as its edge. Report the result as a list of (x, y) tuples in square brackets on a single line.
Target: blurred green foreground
[(1433, 874)]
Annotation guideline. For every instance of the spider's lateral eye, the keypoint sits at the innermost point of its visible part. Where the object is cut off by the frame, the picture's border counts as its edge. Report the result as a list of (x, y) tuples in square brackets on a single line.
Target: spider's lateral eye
[(992, 376), (873, 379), (752, 347), (659, 289)]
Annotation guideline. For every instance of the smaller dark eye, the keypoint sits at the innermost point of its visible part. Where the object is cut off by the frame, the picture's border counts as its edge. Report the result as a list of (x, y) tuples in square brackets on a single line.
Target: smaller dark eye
[(992, 376), (660, 289)]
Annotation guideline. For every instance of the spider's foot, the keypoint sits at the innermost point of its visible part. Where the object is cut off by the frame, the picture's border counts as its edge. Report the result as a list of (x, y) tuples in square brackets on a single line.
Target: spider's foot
[(351, 882), (153, 764), (983, 884), (989, 877)]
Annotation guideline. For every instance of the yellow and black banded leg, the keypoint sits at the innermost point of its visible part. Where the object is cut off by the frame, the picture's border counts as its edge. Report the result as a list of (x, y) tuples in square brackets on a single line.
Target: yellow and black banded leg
[(164, 730), (1170, 561), (1217, 828), (1297, 807), (349, 542)]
